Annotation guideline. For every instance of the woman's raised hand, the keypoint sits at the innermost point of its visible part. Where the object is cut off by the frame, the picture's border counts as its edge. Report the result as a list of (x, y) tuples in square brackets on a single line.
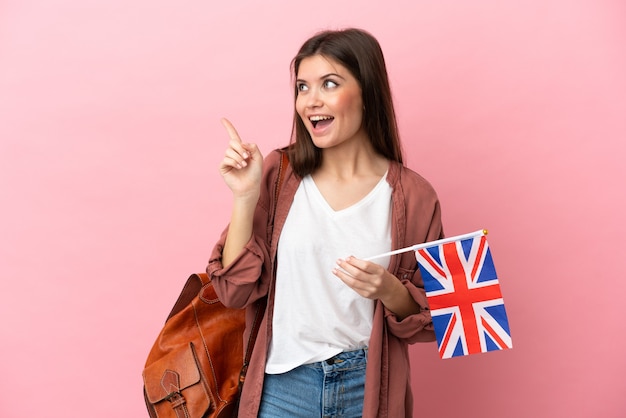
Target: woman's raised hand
[(242, 165)]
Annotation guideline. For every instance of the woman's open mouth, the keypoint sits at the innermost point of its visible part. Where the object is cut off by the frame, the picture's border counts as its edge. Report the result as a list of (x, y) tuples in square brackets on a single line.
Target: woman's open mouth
[(321, 121)]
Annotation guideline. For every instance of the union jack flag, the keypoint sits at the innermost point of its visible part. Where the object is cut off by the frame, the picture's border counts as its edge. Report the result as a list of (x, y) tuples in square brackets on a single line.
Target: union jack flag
[(464, 297)]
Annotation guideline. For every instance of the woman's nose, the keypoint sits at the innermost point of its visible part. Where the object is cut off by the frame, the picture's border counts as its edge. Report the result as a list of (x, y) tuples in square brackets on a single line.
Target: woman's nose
[(313, 99)]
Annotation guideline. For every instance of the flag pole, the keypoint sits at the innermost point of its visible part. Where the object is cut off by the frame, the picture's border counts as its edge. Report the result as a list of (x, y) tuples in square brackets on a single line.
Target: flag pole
[(430, 244)]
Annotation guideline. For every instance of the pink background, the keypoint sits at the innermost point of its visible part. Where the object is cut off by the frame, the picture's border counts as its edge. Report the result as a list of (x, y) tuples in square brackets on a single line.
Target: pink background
[(110, 195)]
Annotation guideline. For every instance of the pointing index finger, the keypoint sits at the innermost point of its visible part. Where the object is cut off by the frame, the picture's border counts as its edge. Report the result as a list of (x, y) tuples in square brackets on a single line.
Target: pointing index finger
[(232, 132)]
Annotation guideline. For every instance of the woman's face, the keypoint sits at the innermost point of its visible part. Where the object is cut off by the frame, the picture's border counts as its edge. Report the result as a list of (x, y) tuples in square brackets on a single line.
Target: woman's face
[(329, 102)]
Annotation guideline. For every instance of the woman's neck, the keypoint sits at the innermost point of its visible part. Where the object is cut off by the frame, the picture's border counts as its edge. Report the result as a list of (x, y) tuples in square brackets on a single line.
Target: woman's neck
[(350, 161)]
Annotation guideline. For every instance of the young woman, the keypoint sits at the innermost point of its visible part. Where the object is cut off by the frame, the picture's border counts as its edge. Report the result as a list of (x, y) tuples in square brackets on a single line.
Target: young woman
[(334, 338)]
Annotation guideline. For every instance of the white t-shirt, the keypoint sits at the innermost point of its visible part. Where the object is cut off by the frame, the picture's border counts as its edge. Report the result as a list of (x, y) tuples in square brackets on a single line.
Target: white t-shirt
[(316, 315)]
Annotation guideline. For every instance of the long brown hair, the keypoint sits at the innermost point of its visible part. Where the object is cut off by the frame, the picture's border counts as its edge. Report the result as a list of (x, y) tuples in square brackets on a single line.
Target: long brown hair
[(361, 54)]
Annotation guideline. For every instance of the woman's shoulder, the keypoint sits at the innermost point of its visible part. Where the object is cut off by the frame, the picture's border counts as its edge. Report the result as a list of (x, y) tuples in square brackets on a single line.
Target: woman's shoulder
[(273, 163), (409, 179), (274, 158)]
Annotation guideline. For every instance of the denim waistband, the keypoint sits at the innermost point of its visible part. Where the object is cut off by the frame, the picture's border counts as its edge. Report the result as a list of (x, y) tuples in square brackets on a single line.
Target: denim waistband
[(344, 360)]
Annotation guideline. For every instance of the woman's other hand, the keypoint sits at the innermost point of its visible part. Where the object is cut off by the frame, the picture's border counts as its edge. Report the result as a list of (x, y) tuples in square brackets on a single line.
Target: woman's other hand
[(373, 281)]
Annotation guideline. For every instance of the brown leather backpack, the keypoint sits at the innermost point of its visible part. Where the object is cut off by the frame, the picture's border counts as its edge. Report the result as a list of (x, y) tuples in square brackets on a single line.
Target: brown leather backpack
[(195, 366)]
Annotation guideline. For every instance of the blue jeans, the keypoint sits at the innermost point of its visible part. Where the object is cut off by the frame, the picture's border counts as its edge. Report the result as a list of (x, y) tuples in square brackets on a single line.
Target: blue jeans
[(328, 389)]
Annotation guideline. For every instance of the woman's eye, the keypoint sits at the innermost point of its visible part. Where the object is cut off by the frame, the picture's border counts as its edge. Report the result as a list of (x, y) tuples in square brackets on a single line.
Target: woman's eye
[(329, 84), (302, 87)]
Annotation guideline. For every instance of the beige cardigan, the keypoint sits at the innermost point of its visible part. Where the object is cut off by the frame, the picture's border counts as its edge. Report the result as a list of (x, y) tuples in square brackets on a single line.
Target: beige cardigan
[(416, 218)]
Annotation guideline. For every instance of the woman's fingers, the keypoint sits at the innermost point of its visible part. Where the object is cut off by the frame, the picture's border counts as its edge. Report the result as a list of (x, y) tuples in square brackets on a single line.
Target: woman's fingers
[(242, 165), (236, 154), (236, 151), (354, 266), (364, 277), (230, 128)]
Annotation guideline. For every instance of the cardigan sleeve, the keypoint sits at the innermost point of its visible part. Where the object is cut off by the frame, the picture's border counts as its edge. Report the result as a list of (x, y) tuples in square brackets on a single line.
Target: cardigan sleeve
[(238, 284), (246, 279), (422, 223), (413, 328)]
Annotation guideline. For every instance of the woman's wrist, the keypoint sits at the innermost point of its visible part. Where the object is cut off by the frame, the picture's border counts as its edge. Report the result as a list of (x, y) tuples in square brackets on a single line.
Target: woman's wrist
[(400, 302)]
